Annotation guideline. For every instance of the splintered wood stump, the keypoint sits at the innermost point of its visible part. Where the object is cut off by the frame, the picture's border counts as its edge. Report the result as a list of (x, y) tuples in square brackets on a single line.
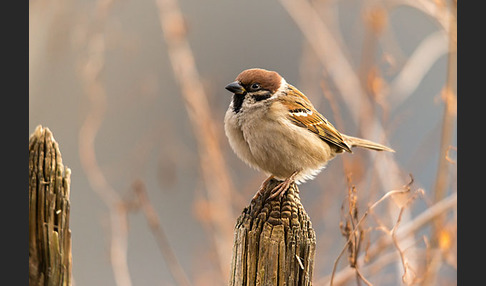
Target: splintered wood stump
[(274, 242), (49, 233)]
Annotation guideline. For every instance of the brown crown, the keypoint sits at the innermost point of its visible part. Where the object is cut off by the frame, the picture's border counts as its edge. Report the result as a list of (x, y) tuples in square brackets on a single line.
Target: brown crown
[(268, 80)]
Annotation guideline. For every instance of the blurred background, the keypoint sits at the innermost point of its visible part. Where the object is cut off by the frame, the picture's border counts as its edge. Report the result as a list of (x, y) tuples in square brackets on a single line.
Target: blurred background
[(133, 92)]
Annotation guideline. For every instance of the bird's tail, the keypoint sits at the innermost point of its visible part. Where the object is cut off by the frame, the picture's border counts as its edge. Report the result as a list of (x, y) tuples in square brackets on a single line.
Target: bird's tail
[(359, 142)]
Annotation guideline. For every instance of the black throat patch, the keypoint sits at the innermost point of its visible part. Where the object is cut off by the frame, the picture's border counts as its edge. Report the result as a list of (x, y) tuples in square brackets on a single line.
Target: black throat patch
[(238, 101), (263, 96)]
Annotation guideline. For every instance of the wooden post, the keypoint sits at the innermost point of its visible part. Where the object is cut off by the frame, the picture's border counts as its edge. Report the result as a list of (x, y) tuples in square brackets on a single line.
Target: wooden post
[(274, 242), (49, 233)]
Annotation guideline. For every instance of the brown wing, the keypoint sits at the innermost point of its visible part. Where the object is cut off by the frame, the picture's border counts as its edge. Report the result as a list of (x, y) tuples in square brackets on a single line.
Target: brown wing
[(303, 114)]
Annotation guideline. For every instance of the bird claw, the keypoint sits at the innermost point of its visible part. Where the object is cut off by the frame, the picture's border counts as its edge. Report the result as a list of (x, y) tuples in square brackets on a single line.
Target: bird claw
[(281, 188)]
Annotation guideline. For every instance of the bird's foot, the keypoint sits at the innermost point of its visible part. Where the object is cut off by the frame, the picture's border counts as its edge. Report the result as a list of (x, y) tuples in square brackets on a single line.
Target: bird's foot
[(282, 187)]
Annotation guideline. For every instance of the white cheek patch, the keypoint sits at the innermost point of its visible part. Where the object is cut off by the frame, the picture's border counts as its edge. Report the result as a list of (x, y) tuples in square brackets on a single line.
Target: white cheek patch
[(282, 89)]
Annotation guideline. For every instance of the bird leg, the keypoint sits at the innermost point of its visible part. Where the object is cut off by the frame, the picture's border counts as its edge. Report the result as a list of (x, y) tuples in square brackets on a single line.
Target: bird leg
[(281, 188), (263, 187)]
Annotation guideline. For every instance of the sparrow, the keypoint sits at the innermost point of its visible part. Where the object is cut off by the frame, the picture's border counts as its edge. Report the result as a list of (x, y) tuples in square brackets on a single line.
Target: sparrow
[(274, 128)]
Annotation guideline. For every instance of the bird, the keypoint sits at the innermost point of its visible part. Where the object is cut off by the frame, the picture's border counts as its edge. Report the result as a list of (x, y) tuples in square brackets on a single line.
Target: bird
[(274, 128)]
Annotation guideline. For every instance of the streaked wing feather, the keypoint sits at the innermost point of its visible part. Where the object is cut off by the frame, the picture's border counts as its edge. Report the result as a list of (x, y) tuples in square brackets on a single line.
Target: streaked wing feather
[(304, 115)]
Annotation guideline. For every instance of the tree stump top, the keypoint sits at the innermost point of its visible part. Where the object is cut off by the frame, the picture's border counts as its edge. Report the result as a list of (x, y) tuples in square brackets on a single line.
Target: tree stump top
[(49, 233), (274, 242)]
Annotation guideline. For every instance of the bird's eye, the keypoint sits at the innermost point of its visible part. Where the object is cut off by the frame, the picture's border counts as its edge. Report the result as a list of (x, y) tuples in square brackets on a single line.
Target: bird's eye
[(255, 86)]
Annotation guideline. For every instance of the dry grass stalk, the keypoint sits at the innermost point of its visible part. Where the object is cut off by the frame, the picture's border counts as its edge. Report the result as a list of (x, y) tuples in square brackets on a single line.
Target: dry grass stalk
[(353, 232), (216, 178), (144, 204), (436, 10), (91, 68), (357, 225), (118, 207), (409, 276), (50, 258), (350, 219), (411, 227), (427, 53), (448, 122), (450, 111)]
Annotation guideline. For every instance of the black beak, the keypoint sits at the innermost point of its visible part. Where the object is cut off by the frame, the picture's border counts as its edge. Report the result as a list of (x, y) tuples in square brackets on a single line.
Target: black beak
[(235, 87)]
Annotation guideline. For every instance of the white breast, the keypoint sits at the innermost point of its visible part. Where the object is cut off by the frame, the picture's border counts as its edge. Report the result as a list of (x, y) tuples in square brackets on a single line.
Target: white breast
[(267, 141)]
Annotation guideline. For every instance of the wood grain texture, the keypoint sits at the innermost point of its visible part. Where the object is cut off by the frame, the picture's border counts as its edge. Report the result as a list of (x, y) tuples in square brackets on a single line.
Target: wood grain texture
[(274, 242), (49, 233)]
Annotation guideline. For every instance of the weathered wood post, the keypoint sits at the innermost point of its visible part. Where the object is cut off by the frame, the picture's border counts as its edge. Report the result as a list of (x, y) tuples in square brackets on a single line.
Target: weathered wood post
[(274, 242), (49, 233)]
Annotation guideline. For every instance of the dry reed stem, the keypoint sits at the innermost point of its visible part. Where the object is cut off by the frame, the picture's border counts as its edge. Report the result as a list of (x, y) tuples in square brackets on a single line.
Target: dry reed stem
[(427, 53), (91, 69), (360, 276), (369, 209), (375, 19), (215, 175), (347, 230), (450, 111), (392, 233), (449, 157), (434, 9), (163, 243), (448, 121), (384, 242)]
